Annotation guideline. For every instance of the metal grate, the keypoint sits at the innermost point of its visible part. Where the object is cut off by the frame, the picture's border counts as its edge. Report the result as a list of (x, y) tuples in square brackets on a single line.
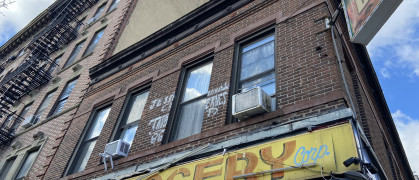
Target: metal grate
[(246, 100)]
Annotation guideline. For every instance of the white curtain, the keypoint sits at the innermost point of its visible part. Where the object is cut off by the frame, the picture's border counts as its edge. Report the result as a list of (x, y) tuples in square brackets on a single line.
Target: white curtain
[(192, 106)]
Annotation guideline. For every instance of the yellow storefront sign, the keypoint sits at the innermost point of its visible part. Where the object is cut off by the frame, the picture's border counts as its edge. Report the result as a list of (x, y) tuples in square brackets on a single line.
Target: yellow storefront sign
[(324, 149)]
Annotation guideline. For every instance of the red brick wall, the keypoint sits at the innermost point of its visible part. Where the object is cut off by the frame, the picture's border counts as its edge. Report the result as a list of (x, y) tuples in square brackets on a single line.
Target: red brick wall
[(57, 127), (308, 81)]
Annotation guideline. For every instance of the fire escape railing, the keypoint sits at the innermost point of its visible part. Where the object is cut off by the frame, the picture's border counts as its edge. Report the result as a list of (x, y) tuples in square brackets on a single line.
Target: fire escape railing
[(33, 72)]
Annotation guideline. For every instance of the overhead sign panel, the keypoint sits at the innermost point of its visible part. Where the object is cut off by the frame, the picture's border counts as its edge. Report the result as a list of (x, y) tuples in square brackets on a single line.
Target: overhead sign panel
[(366, 17), (278, 159)]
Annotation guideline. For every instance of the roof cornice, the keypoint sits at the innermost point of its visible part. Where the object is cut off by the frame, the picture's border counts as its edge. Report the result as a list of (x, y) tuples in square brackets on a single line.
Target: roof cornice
[(184, 26), (40, 21), (383, 107)]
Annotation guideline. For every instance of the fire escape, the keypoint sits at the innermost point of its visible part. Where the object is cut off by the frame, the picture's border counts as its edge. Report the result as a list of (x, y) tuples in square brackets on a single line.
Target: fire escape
[(33, 72)]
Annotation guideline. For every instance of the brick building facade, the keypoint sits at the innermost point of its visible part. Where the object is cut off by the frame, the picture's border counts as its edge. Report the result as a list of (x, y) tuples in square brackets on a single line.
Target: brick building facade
[(167, 91), (54, 103)]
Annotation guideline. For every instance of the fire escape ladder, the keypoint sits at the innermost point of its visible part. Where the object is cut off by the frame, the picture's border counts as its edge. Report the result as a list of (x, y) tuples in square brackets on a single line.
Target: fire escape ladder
[(34, 71)]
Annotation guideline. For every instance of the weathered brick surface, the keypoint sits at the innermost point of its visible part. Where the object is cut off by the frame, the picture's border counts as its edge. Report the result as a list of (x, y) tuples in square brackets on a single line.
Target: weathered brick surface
[(303, 75), (308, 83), (55, 128)]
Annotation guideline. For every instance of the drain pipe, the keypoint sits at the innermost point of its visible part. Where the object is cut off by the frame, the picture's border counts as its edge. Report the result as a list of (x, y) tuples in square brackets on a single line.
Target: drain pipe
[(332, 25)]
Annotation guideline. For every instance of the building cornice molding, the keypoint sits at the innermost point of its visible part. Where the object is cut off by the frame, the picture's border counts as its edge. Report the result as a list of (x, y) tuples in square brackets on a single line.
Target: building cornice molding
[(183, 27)]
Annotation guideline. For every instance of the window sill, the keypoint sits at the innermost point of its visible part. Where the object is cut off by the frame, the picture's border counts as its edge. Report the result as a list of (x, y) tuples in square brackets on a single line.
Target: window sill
[(74, 63), (88, 25)]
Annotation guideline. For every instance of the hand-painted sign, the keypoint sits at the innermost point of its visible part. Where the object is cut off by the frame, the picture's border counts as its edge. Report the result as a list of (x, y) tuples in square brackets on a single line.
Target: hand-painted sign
[(328, 148), (158, 124), (365, 17)]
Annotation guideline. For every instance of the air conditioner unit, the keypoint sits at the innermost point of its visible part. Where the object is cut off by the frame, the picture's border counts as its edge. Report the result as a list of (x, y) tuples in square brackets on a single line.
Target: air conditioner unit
[(117, 148), (249, 103), (29, 121)]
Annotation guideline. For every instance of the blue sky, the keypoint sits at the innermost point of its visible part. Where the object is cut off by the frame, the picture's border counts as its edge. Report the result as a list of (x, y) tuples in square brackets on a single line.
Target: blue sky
[(394, 52)]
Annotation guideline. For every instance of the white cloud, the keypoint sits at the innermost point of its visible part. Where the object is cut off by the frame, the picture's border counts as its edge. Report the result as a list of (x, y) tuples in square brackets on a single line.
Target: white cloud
[(385, 73), (399, 41), (409, 57), (191, 93), (18, 15), (205, 70), (408, 129)]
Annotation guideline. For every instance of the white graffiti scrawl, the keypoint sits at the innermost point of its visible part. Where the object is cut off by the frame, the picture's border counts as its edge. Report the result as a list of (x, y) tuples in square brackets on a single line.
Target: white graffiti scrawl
[(216, 97), (165, 103), (158, 124)]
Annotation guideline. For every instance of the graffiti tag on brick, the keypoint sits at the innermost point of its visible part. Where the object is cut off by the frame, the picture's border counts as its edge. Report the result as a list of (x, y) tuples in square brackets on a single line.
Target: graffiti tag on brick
[(158, 125), (165, 103), (216, 97)]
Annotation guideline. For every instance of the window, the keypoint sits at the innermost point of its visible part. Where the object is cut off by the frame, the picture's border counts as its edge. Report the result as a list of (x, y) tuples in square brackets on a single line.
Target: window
[(257, 66), (25, 111), (43, 106), (21, 53), (24, 169), (97, 14), (191, 108), (132, 116), (80, 23), (22, 114), (7, 121), (63, 98), (6, 167), (89, 140), (55, 64), (74, 54), (113, 5), (94, 42)]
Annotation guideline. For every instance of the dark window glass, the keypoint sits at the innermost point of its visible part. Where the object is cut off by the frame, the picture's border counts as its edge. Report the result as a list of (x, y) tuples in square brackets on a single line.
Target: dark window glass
[(94, 42), (74, 54), (64, 96), (6, 168), (24, 169), (41, 109), (25, 111), (132, 116), (97, 14), (55, 64), (89, 140), (7, 121), (21, 53), (113, 5), (257, 66), (191, 108), (22, 114), (78, 26)]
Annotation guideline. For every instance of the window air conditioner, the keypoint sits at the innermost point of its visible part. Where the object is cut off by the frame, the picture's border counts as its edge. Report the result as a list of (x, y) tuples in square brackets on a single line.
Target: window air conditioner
[(29, 121), (117, 148), (249, 103)]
